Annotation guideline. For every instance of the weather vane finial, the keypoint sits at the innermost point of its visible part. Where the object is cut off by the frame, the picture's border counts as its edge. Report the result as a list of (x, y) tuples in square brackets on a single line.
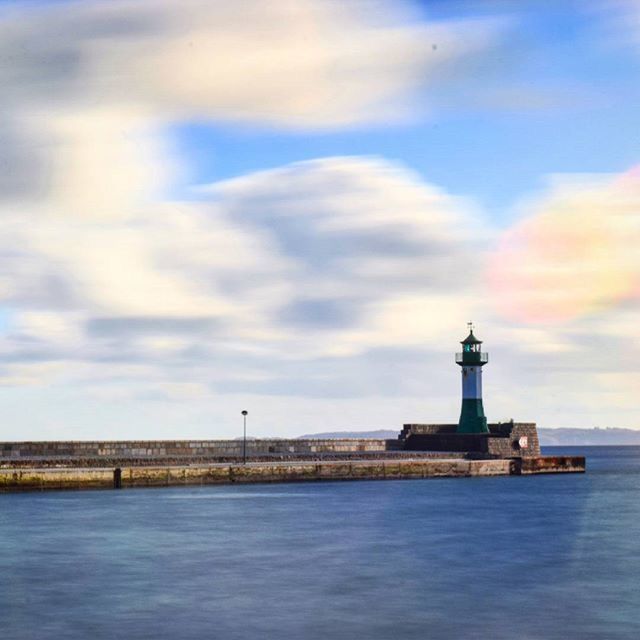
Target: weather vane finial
[(470, 325)]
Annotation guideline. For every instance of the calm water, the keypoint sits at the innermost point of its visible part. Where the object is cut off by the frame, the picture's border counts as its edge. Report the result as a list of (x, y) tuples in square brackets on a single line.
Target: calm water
[(538, 557)]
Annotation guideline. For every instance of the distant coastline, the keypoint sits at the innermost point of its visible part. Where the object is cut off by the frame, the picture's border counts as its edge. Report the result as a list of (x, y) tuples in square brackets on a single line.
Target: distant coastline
[(548, 437)]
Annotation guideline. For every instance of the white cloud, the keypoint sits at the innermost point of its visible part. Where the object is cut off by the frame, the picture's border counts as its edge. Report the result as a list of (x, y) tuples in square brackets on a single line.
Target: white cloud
[(301, 63), (303, 282), (325, 279), (95, 238), (107, 163), (89, 87), (312, 249)]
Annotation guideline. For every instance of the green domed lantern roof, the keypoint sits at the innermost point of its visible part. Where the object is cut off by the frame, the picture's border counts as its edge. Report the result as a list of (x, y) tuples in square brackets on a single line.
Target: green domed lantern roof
[(471, 339)]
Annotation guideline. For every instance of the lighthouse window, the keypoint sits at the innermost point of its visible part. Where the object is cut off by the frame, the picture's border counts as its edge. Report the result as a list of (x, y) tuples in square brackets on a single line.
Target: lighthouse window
[(467, 348)]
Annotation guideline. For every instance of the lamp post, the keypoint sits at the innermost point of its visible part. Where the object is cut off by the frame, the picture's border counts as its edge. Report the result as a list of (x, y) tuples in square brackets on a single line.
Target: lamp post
[(244, 437)]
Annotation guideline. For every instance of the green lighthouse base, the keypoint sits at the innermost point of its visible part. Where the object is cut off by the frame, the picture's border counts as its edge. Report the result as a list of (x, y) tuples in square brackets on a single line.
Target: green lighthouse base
[(472, 418)]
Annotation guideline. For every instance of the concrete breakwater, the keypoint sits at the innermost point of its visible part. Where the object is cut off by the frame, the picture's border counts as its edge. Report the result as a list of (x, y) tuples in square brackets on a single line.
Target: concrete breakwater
[(21, 479)]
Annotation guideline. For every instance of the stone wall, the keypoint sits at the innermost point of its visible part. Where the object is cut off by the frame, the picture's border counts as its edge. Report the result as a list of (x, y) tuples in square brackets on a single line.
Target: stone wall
[(177, 449), (504, 440)]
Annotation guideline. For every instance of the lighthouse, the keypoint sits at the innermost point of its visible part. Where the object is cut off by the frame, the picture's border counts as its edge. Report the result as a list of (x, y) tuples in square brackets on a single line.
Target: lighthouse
[(472, 359)]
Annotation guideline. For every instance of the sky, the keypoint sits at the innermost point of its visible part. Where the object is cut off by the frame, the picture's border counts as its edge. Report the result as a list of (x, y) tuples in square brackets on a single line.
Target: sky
[(294, 207)]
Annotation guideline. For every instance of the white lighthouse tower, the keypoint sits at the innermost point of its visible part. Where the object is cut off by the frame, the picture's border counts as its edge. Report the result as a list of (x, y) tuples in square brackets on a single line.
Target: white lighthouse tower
[(472, 359)]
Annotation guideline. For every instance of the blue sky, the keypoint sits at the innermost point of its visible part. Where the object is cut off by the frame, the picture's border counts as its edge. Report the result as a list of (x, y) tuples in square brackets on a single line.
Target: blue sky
[(295, 208), (494, 155)]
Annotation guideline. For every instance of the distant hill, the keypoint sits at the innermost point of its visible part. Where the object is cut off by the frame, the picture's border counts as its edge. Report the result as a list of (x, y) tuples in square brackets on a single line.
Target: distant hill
[(610, 435), (548, 437)]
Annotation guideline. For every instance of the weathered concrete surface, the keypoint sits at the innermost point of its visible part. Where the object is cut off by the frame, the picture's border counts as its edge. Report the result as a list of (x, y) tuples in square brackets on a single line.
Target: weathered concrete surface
[(550, 464), (41, 479), (296, 471)]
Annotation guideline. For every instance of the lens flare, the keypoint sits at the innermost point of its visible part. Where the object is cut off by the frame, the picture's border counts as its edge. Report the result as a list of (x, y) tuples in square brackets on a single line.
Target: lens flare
[(577, 254)]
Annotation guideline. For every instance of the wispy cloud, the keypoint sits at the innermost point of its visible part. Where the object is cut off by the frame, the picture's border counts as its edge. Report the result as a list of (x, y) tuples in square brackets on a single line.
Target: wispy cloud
[(294, 64), (275, 257), (319, 279)]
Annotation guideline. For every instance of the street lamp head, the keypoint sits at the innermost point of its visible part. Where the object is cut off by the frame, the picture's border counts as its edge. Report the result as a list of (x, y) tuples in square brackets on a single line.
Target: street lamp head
[(244, 413)]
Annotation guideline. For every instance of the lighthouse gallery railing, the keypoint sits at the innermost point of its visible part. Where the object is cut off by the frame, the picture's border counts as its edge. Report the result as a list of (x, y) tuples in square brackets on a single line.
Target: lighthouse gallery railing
[(472, 357)]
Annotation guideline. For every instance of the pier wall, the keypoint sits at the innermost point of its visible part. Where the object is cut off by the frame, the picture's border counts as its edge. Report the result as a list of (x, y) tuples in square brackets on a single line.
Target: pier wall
[(176, 449), (505, 440)]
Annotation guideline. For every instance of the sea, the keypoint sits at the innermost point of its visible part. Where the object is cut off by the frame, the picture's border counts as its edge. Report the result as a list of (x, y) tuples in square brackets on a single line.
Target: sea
[(538, 557)]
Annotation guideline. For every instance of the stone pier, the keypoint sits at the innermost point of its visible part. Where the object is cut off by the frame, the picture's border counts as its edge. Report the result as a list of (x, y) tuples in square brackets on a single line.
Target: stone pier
[(24, 479), (420, 451)]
